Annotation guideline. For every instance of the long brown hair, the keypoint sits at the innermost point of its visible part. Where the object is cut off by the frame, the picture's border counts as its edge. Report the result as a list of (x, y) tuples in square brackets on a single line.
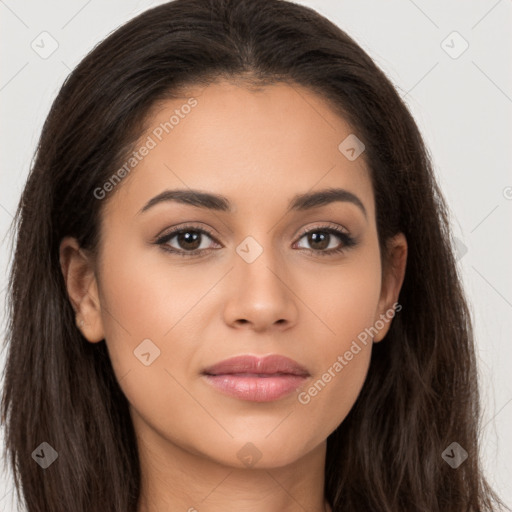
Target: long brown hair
[(421, 391)]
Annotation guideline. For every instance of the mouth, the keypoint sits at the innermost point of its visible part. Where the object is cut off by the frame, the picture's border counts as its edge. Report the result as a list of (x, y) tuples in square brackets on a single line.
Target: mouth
[(256, 379)]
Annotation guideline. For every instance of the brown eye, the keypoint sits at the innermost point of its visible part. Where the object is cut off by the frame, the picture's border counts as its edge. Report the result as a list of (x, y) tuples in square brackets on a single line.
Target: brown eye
[(319, 240), (322, 240), (186, 241)]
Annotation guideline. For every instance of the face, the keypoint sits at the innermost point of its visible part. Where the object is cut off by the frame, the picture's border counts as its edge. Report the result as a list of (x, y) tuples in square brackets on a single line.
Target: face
[(254, 269)]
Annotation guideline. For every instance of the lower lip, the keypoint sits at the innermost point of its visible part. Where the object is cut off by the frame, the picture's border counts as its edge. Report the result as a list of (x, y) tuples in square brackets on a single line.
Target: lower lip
[(256, 389)]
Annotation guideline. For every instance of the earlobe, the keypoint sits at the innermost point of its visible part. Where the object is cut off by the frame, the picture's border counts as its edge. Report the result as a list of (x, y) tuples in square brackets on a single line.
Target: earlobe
[(392, 279), (80, 279)]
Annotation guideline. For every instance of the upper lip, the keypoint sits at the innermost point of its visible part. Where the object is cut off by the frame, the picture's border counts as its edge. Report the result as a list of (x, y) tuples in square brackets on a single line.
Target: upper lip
[(266, 365)]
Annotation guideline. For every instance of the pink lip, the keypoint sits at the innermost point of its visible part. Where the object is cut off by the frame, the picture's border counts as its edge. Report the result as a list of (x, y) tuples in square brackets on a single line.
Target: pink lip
[(257, 379)]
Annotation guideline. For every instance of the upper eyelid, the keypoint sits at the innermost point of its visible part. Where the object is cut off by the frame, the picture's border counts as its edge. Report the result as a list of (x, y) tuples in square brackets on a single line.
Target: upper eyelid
[(174, 231), (326, 225)]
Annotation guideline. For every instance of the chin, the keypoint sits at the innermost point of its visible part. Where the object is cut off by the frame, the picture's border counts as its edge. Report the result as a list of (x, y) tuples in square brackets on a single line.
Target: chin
[(260, 452)]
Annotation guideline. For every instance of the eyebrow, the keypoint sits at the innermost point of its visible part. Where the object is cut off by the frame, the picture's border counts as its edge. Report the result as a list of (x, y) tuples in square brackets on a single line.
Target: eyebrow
[(300, 202)]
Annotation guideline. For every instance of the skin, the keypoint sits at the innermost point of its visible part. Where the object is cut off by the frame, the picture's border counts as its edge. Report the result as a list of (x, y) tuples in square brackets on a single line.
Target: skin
[(258, 148)]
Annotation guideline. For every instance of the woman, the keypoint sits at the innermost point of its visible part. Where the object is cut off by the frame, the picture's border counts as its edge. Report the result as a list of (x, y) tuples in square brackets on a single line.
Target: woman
[(244, 295)]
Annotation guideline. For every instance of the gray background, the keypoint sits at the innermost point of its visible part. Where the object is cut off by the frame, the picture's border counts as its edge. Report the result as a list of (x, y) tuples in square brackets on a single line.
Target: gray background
[(462, 103)]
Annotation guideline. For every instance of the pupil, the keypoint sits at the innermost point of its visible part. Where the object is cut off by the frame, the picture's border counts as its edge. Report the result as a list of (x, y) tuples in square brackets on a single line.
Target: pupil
[(188, 238), (319, 238)]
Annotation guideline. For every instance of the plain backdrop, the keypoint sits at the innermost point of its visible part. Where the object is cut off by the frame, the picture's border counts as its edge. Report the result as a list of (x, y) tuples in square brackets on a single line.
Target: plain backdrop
[(450, 60)]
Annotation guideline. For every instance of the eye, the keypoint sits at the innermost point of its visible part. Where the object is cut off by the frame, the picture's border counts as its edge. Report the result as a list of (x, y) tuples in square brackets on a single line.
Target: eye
[(186, 241), (192, 241), (322, 240)]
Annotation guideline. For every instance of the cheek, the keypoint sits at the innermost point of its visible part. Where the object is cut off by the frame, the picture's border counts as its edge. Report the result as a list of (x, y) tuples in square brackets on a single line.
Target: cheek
[(343, 297), (146, 303), (346, 304), (330, 396), (150, 319), (146, 295)]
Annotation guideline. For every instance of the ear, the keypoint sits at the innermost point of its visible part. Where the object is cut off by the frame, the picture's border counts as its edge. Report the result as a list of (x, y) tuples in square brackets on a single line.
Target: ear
[(78, 270), (394, 263)]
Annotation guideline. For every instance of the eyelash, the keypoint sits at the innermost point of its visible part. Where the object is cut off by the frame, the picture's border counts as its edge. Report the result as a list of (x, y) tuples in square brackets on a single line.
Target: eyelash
[(346, 240)]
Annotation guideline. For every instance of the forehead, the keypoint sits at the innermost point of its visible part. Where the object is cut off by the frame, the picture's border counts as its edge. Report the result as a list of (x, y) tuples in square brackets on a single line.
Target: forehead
[(255, 146)]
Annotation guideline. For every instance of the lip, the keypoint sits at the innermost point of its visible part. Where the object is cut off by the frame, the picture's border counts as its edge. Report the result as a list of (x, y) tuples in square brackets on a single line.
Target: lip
[(256, 379)]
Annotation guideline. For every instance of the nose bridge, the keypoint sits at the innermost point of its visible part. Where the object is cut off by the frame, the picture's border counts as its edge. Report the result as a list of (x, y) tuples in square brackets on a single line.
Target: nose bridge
[(257, 263), (259, 258)]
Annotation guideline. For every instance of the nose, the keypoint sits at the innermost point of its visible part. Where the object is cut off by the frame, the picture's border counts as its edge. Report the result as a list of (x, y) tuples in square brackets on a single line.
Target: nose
[(260, 295)]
